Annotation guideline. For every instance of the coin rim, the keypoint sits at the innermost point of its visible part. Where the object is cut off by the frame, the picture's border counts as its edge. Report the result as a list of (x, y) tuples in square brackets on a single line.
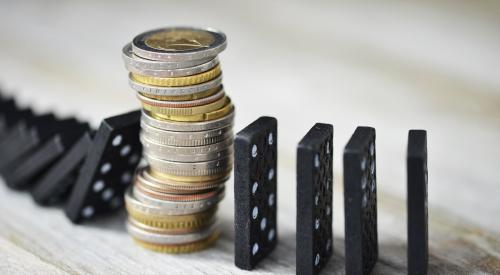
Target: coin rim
[(173, 91), (221, 112), (170, 239), (172, 208), (181, 104), (178, 126), (179, 81), (160, 179), (136, 64), (190, 169), (188, 111), (181, 249), (140, 48), (186, 139), (187, 154)]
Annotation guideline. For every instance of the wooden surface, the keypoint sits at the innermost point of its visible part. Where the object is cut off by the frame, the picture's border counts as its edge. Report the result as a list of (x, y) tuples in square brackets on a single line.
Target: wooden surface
[(391, 65)]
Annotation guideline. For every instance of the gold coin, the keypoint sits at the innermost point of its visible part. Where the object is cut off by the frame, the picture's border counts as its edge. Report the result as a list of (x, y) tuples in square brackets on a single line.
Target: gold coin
[(178, 81), (163, 185), (180, 40), (183, 248), (175, 224), (228, 108), (158, 230), (194, 96), (183, 179), (188, 111)]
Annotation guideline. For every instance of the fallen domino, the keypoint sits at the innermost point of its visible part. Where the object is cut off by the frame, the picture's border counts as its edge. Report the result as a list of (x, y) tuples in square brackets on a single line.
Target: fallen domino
[(108, 168)]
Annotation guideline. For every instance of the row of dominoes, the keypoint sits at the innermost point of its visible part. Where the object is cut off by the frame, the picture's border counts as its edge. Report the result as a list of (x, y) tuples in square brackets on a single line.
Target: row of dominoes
[(64, 160), (256, 198)]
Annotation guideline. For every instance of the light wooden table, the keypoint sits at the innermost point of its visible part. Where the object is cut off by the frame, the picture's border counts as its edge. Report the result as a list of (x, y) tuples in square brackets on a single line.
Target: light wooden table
[(391, 65)]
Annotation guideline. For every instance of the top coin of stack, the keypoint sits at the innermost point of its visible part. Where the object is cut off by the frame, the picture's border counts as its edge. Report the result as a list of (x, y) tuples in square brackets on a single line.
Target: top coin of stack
[(186, 131)]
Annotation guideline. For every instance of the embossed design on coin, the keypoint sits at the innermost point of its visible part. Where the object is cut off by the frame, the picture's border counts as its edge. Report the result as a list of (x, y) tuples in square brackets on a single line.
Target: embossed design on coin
[(180, 40)]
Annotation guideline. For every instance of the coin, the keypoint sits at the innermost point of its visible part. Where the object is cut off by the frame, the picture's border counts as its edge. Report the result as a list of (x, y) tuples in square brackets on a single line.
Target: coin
[(191, 169), (226, 109), (179, 44), (160, 187), (173, 197), (178, 81), (187, 111), (188, 179), (165, 208), (187, 154), (181, 104), (185, 139), (173, 91), (172, 232), (201, 202), (176, 126), (170, 239), (180, 249), (138, 65), (194, 96), (169, 231), (175, 224), (159, 183)]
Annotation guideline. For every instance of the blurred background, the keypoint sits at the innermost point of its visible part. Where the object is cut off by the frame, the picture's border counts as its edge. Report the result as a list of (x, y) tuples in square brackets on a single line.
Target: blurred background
[(393, 65)]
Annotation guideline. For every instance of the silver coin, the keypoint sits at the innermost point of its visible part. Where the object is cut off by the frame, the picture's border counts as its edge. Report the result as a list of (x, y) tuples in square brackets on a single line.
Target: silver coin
[(153, 68), (186, 139), (175, 126), (187, 154), (191, 169), (173, 91), (179, 44), (144, 178), (203, 204), (169, 239), (155, 207)]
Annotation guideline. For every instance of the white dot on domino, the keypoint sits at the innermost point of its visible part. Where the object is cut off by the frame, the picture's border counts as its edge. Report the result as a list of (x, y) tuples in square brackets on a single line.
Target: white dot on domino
[(117, 140)]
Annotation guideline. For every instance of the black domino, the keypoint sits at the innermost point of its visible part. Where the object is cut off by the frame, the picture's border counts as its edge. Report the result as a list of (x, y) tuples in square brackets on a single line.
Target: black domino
[(418, 244), (10, 113), (33, 164), (54, 186), (255, 192), (315, 200), (360, 202), (29, 132), (7, 110), (13, 119), (108, 168)]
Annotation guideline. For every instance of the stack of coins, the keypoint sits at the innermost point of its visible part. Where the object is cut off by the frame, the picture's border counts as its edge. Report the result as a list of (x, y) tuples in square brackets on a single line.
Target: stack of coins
[(187, 135)]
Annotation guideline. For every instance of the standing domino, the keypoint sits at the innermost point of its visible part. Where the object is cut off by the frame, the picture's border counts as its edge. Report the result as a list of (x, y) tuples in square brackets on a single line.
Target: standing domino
[(418, 244), (255, 192), (360, 200), (315, 200)]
